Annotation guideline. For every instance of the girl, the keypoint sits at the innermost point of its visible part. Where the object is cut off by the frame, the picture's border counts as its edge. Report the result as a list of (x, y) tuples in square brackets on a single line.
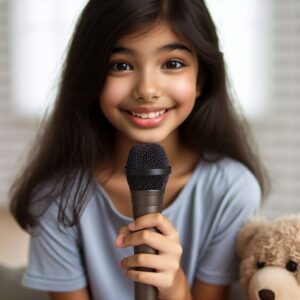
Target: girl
[(144, 71)]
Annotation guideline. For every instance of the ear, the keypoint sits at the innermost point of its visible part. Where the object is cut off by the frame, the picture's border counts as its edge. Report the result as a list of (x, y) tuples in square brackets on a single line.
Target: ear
[(198, 91), (199, 88), (247, 232)]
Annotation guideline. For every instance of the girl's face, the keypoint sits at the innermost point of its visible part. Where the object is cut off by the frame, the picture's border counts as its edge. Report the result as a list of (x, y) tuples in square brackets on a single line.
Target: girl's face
[(151, 86)]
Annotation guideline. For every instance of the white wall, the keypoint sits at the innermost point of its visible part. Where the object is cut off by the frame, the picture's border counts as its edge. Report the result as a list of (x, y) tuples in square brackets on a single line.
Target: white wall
[(277, 133)]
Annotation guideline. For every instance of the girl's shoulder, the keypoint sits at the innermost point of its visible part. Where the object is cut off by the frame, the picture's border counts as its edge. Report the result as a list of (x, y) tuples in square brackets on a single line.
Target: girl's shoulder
[(226, 169), (57, 193), (229, 178)]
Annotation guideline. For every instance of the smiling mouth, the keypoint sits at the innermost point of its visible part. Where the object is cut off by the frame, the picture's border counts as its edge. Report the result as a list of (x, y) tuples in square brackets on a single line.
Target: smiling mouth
[(150, 115)]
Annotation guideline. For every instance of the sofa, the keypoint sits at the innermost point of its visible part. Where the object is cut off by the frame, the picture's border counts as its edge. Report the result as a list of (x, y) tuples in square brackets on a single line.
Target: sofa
[(11, 288)]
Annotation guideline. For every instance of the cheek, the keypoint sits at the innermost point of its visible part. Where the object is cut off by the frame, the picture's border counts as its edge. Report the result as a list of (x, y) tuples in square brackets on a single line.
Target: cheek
[(183, 91), (114, 91)]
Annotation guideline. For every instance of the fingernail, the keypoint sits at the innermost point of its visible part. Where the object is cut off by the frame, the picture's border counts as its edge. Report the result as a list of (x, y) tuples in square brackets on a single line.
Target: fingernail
[(131, 226), (120, 239), (120, 264)]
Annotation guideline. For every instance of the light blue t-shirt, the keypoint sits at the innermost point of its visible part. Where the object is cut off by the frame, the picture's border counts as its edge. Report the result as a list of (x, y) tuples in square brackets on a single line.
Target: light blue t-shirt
[(207, 213)]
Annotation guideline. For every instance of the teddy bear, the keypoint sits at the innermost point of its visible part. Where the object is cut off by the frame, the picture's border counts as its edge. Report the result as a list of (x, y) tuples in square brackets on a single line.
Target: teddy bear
[(270, 258)]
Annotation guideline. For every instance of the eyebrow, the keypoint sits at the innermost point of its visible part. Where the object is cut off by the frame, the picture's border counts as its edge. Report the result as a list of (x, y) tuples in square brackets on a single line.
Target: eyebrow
[(165, 48)]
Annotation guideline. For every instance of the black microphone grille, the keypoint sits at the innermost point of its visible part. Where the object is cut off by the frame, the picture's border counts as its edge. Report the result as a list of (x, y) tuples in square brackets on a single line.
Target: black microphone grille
[(147, 167)]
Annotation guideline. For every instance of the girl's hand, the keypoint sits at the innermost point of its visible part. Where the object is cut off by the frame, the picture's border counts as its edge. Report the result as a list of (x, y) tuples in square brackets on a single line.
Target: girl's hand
[(168, 278)]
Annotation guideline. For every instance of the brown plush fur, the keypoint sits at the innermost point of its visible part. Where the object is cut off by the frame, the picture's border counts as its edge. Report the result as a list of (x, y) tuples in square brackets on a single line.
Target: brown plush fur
[(275, 243)]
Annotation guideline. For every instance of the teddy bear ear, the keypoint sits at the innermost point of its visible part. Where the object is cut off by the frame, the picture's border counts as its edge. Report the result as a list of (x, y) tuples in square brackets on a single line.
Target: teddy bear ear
[(247, 232)]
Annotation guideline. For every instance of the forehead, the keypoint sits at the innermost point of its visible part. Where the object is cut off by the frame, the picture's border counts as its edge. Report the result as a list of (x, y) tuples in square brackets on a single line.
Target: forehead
[(152, 35)]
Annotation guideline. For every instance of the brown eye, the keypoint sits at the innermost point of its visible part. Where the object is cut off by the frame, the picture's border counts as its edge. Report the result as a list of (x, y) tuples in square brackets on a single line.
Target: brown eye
[(260, 264), (291, 266), (120, 66), (174, 64)]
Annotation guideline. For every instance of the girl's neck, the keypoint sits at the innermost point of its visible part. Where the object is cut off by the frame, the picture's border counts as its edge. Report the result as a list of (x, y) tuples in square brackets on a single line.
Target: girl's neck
[(173, 147)]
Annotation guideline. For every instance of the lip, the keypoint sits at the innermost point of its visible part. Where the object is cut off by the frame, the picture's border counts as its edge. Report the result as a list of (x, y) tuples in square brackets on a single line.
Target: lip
[(147, 123)]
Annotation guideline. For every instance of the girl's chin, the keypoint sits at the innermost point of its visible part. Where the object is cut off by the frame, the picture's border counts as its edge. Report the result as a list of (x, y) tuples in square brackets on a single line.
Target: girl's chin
[(148, 141), (148, 137)]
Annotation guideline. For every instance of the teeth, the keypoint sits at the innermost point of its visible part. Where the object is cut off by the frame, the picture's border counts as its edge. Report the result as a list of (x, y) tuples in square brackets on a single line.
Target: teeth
[(150, 115)]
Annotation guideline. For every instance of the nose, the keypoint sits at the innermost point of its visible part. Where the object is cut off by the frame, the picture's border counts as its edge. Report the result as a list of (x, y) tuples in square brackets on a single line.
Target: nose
[(266, 295), (147, 88)]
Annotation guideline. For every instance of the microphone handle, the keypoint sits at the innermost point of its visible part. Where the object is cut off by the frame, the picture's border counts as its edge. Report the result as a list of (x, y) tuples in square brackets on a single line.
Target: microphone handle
[(143, 203)]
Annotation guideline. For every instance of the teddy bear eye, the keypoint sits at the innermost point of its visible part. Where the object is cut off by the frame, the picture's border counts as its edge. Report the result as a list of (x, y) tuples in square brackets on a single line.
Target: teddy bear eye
[(291, 266), (260, 264)]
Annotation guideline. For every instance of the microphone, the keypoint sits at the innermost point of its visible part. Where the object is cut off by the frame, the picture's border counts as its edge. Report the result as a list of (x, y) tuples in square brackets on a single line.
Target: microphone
[(147, 172)]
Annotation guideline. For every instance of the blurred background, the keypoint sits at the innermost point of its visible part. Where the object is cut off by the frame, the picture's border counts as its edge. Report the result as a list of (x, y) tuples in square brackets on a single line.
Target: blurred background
[(261, 44)]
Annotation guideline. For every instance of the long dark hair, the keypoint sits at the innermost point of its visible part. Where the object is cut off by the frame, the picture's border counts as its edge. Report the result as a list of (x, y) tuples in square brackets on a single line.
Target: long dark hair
[(76, 138)]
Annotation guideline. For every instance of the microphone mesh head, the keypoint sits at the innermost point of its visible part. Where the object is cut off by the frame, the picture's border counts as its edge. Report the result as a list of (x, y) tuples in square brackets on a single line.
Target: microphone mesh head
[(145, 157)]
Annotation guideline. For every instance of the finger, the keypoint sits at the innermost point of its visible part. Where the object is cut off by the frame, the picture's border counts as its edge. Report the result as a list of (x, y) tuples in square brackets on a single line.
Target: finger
[(121, 236), (157, 220), (151, 261), (158, 279), (154, 240)]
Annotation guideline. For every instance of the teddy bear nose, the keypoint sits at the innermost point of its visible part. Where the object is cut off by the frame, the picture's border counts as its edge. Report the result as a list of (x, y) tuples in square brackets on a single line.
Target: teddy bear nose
[(266, 294)]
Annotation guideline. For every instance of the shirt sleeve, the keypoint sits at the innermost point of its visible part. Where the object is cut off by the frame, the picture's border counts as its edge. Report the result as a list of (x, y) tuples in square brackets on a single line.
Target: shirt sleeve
[(220, 264), (55, 259)]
